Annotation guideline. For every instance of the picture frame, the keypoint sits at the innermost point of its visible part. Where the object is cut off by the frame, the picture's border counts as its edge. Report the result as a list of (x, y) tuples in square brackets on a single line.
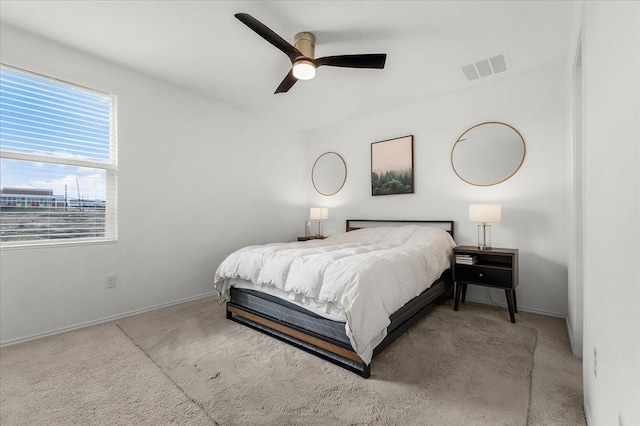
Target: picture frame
[(392, 166)]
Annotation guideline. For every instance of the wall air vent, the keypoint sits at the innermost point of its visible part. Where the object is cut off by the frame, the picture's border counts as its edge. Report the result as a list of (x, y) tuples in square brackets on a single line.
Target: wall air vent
[(486, 67)]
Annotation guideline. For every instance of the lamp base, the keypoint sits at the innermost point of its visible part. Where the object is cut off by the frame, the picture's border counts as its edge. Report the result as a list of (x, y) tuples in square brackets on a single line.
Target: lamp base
[(484, 237)]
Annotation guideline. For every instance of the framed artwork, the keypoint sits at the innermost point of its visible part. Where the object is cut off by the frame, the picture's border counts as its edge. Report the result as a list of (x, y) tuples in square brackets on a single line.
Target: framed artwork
[(392, 166)]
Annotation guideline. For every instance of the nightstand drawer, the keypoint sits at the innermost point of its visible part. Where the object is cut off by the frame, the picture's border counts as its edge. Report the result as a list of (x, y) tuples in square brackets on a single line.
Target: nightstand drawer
[(483, 275)]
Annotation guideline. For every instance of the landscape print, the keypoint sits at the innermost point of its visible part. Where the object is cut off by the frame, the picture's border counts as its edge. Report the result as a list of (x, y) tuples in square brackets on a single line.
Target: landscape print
[(392, 166)]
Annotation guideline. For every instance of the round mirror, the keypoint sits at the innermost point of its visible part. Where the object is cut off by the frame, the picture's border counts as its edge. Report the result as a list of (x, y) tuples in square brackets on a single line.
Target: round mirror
[(329, 173), (488, 154)]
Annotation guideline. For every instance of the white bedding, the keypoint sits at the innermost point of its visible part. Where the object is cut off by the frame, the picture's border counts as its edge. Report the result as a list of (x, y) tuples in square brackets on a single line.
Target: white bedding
[(367, 274)]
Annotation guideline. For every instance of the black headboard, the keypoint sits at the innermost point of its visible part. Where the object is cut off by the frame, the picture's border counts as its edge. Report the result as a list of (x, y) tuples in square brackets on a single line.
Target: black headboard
[(353, 224)]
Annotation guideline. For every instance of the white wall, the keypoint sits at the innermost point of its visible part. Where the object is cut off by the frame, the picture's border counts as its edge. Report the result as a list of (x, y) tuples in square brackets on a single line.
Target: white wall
[(196, 181), (611, 63), (534, 207)]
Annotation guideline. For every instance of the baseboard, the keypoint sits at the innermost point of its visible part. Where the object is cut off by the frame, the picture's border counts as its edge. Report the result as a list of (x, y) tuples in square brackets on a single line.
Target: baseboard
[(569, 332), (577, 352), (103, 320), (520, 308), (587, 413), (187, 299)]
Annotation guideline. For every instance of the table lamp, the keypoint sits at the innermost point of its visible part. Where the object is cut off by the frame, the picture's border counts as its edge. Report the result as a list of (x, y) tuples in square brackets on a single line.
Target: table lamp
[(319, 213), (485, 213)]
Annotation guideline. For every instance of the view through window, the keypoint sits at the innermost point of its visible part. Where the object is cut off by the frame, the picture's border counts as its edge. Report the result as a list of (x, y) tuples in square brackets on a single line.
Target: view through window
[(58, 170)]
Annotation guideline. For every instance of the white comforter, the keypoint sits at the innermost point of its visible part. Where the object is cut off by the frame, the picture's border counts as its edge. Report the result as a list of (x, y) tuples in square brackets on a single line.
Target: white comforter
[(369, 273)]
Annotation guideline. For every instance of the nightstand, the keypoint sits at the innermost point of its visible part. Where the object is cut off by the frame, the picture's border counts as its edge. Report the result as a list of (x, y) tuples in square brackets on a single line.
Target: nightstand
[(313, 237), (496, 267)]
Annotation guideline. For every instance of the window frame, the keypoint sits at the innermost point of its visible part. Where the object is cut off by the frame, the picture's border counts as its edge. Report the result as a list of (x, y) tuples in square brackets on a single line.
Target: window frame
[(110, 168)]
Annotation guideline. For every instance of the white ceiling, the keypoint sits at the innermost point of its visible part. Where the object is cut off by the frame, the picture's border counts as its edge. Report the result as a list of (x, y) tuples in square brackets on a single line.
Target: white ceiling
[(199, 45)]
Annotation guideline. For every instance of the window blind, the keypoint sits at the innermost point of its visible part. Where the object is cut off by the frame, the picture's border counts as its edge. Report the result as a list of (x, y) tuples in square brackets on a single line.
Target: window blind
[(59, 161)]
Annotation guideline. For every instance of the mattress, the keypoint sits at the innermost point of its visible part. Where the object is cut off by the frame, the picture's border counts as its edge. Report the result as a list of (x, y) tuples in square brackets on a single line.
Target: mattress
[(319, 308)]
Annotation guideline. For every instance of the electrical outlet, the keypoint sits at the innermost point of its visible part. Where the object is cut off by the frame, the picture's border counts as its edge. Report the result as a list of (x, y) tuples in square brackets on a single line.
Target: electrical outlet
[(595, 363), (110, 281)]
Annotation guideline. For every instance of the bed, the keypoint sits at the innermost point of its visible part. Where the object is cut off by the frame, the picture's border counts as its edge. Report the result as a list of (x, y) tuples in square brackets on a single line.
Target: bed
[(345, 298)]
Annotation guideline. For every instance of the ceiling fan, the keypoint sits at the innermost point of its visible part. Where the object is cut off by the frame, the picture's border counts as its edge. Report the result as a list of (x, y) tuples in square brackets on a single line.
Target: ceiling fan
[(301, 54)]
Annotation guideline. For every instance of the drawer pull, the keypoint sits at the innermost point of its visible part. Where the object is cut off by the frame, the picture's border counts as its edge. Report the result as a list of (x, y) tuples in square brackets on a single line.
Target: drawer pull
[(480, 274)]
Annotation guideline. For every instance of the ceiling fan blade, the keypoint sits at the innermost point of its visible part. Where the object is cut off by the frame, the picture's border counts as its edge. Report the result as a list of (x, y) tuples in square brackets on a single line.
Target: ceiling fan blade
[(266, 33), (373, 60), (287, 83)]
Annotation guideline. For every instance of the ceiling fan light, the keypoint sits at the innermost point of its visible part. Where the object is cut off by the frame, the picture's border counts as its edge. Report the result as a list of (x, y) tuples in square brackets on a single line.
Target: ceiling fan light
[(304, 69)]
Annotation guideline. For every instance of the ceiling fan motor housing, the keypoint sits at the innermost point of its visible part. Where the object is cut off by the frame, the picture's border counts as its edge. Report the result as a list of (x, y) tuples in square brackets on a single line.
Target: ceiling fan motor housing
[(305, 43)]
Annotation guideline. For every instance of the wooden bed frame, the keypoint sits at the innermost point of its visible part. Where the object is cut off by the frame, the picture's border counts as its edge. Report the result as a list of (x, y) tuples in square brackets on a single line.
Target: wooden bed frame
[(303, 329)]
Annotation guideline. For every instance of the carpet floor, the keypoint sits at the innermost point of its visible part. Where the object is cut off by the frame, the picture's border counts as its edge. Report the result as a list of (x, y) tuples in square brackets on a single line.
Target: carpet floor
[(90, 376), (430, 375), (186, 364)]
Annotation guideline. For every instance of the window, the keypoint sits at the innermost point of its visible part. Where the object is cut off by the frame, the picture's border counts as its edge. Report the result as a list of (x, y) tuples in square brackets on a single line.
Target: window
[(58, 170)]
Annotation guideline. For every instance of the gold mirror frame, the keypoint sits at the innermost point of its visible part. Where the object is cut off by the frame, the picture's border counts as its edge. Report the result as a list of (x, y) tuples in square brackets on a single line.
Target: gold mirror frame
[(518, 155), (315, 174)]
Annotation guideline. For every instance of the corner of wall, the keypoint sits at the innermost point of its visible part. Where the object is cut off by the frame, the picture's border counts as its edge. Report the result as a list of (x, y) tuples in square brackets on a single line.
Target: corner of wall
[(576, 349)]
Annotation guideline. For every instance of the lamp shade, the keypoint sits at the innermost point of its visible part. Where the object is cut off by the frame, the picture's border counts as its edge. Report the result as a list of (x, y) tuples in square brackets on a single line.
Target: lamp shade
[(318, 213), (485, 213)]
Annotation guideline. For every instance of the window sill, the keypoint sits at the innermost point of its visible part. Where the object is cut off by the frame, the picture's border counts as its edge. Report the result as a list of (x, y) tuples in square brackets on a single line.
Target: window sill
[(54, 244)]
